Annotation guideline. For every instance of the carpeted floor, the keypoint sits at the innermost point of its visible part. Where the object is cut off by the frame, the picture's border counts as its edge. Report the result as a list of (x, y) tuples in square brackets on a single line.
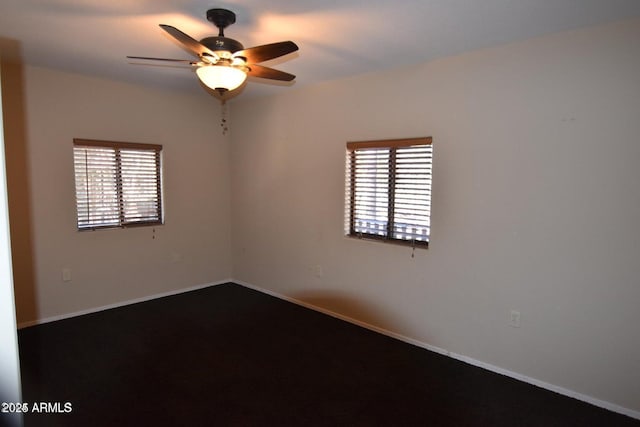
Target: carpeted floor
[(231, 356)]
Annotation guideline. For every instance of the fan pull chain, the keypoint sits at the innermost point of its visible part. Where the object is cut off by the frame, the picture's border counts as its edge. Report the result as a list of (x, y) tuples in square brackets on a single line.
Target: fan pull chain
[(223, 118)]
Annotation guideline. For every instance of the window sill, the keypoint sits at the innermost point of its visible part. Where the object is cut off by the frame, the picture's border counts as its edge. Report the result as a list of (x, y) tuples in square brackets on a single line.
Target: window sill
[(405, 243)]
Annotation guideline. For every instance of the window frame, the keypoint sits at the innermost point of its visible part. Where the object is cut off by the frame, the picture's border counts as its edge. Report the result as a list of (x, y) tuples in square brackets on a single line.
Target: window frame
[(123, 221), (350, 189)]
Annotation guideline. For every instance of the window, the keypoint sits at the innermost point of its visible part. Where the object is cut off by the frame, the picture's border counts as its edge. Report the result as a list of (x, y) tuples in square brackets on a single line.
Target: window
[(388, 190), (118, 184)]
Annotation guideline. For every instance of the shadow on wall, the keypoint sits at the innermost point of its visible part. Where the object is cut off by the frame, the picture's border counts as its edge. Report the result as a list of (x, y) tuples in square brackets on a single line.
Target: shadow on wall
[(19, 189), (349, 308)]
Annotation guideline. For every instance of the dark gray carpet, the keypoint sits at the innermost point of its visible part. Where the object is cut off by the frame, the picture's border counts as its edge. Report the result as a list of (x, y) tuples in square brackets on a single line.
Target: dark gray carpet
[(231, 356)]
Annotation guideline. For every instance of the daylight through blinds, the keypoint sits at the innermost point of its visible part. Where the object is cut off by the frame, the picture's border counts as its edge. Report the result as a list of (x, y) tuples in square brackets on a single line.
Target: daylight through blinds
[(117, 184), (388, 190)]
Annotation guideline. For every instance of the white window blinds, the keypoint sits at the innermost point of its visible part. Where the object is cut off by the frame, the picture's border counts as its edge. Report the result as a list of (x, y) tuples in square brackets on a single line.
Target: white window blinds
[(117, 184), (388, 190)]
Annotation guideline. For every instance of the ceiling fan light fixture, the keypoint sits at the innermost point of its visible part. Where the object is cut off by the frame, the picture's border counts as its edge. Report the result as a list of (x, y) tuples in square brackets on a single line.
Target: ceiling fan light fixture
[(221, 77)]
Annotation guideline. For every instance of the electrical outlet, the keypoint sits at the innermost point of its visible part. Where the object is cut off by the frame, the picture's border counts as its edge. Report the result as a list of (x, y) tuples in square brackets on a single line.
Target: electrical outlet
[(514, 318), (66, 274)]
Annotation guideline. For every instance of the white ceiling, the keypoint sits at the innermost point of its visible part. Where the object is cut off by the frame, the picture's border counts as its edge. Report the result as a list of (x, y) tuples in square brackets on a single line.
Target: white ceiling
[(336, 38)]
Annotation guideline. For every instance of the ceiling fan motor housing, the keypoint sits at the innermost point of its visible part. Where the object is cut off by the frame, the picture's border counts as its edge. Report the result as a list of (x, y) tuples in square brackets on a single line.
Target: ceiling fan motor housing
[(222, 43)]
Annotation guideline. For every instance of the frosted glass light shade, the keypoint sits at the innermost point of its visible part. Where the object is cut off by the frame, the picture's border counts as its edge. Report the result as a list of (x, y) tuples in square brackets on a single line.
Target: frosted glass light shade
[(221, 76)]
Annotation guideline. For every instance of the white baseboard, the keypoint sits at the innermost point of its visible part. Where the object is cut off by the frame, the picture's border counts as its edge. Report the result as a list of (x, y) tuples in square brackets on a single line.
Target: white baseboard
[(560, 390), (118, 304)]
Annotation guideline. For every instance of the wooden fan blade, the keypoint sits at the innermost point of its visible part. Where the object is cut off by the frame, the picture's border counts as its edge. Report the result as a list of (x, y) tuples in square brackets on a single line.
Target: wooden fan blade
[(256, 70), (146, 58), (189, 43), (265, 52)]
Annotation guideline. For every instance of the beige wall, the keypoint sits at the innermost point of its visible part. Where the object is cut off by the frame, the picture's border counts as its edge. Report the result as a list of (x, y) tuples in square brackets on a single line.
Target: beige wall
[(113, 266), (535, 205)]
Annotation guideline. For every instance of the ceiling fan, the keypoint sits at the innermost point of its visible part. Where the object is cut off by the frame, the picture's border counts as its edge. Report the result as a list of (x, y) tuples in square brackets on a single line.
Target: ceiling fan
[(223, 63)]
